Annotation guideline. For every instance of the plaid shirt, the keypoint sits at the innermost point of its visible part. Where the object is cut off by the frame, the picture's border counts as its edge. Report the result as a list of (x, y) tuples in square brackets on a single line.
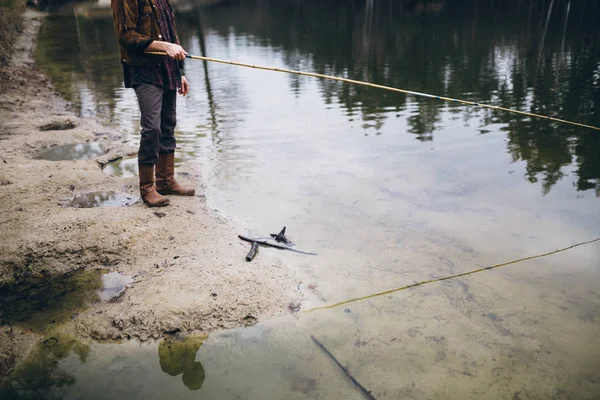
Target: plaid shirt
[(166, 72)]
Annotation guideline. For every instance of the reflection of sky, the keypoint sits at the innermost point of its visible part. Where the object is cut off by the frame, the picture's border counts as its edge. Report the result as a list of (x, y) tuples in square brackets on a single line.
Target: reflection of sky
[(504, 60), (87, 100), (77, 151)]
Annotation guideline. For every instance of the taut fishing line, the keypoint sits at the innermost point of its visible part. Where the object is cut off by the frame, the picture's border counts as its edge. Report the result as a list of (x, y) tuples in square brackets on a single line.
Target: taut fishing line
[(373, 85)]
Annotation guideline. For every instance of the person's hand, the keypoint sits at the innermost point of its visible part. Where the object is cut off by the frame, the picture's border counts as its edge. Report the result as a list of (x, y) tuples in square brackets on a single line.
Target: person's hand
[(175, 51), (185, 86)]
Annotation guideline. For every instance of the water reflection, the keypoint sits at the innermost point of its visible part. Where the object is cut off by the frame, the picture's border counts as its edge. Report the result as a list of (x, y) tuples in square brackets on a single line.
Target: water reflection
[(39, 376), (178, 356), (77, 151), (40, 301), (449, 340), (125, 168), (53, 368), (102, 199), (481, 51)]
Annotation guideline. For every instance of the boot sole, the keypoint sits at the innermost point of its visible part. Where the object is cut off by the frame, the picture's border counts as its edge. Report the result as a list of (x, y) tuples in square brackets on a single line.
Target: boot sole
[(166, 203), (164, 192)]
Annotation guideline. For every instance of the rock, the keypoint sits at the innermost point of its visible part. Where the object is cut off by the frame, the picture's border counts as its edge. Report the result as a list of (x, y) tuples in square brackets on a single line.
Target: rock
[(58, 125), (118, 323), (294, 307)]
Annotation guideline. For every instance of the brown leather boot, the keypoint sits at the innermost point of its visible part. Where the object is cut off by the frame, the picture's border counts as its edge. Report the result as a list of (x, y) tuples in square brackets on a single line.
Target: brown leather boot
[(147, 190), (165, 177)]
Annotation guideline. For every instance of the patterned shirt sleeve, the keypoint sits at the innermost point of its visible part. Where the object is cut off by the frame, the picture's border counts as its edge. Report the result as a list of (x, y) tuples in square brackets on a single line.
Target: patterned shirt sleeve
[(127, 16)]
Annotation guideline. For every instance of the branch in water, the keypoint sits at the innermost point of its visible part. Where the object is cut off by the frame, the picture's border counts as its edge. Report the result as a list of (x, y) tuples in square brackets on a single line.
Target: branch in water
[(364, 391)]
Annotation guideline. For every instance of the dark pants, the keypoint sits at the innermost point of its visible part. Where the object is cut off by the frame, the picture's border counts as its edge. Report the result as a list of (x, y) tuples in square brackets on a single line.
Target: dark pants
[(158, 120)]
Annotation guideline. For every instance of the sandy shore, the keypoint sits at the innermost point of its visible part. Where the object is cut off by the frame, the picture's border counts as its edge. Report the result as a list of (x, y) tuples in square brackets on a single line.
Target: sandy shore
[(187, 263)]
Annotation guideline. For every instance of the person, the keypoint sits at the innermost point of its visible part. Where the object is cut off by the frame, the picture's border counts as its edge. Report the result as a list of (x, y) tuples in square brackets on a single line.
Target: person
[(143, 26)]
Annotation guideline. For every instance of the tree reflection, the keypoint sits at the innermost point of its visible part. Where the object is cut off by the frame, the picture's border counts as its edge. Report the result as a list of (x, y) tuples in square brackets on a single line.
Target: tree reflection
[(490, 52), (38, 301), (39, 375), (178, 356)]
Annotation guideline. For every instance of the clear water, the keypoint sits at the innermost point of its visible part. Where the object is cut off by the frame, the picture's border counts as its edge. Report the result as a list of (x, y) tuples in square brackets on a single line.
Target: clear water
[(76, 151), (389, 189), (45, 301), (125, 168), (102, 199)]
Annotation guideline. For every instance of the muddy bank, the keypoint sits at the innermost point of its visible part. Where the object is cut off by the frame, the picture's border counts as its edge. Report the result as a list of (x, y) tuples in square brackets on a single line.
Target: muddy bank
[(188, 267)]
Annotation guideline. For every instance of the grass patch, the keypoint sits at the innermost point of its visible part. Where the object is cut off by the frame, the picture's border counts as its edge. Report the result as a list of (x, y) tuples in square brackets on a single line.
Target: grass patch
[(11, 24)]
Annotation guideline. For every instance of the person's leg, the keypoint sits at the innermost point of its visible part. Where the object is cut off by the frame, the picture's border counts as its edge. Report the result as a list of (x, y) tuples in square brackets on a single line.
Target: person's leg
[(165, 169), (168, 121), (150, 103)]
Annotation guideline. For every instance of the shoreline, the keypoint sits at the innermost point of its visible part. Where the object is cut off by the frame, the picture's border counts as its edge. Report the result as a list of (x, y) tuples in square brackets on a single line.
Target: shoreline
[(202, 283)]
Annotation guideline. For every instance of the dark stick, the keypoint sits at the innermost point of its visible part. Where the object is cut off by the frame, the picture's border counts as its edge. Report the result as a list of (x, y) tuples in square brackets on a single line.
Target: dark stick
[(277, 246), (364, 391), (252, 252)]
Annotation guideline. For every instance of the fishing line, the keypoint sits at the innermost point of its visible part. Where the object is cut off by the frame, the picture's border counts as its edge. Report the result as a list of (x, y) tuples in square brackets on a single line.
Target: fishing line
[(373, 85), (341, 303)]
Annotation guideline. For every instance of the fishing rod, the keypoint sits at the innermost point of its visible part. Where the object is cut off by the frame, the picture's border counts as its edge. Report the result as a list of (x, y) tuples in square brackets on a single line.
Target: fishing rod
[(373, 85)]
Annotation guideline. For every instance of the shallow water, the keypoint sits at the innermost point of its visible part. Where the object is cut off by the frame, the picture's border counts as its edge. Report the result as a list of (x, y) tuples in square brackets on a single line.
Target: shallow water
[(102, 199), (499, 334), (76, 151), (389, 189), (40, 302), (125, 168)]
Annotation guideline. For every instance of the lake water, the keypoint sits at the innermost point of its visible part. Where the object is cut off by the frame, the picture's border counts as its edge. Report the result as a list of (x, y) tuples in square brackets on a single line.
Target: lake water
[(389, 189)]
